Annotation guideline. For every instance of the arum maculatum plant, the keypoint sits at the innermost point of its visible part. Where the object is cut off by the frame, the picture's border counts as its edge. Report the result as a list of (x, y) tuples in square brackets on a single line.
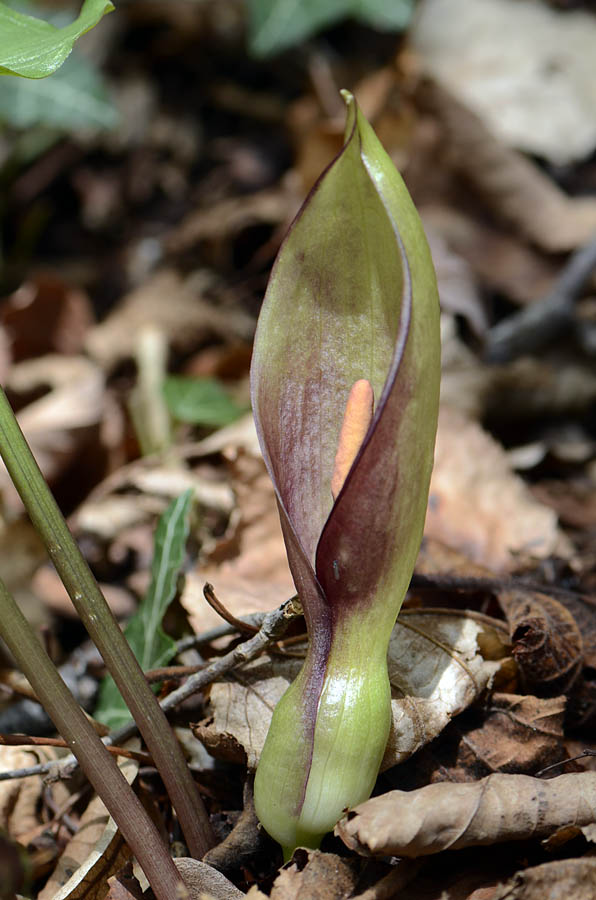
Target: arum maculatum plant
[(345, 386)]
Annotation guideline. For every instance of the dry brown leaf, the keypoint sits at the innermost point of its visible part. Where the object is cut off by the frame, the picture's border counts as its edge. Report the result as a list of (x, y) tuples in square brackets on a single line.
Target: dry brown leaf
[(514, 189), (519, 734), (564, 879), (435, 668), (574, 502), (228, 217), (314, 875), (447, 816), (175, 307), (547, 642), (95, 852), (499, 260), (46, 315), (248, 566), (510, 734), (64, 421), (479, 506)]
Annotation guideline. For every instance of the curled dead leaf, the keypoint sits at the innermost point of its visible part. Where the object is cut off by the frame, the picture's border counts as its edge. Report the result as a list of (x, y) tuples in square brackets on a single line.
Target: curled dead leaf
[(547, 642), (447, 816)]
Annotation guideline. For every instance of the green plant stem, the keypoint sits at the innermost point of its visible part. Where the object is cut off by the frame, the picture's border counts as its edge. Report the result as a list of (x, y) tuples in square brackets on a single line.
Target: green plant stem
[(97, 763), (105, 632)]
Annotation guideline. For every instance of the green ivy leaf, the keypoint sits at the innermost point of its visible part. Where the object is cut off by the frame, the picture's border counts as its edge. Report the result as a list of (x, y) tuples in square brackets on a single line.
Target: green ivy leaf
[(33, 48), (275, 25), (200, 401), (151, 646)]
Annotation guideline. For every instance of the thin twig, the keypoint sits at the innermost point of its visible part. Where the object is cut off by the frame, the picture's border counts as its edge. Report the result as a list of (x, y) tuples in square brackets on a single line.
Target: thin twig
[(26, 740), (274, 626), (227, 616), (545, 320), (490, 584), (206, 637)]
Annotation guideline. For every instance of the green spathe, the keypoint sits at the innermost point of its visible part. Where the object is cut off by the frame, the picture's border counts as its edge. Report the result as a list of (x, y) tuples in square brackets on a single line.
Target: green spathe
[(352, 296)]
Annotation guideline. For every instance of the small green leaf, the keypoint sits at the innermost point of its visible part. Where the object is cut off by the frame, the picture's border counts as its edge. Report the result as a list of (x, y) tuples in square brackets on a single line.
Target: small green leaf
[(151, 646), (200, 401), (278, 24), (33, 48), (75, 97)]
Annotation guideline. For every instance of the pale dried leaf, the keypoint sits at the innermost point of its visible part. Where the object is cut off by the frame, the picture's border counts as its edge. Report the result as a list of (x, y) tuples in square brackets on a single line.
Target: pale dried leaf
[(95, 852), (203, 881), (497, 258), (173, 306), (515, 190), (58, 424), (49, 588), (479, 506), (458, 290), (239, 436), (436, 671), (447, 816), (20, 797), (110, 511), (75, 399), (227, 218), (526, 68), (241, 595)]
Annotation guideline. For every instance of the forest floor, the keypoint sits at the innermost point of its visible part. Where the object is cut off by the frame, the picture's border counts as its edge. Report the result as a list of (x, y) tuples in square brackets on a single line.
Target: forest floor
[(136, 255)]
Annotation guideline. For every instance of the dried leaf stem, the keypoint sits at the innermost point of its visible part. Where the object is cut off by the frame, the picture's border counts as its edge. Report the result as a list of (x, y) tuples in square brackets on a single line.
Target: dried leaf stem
[(98, 764), (105, 632)]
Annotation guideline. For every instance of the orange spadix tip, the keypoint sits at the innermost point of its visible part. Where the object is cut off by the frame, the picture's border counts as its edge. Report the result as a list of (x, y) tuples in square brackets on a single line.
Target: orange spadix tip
[(357, 419)]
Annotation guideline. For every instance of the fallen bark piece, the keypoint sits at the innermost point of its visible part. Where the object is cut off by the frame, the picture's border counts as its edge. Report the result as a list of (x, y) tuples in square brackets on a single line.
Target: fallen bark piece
[(447, 816)]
